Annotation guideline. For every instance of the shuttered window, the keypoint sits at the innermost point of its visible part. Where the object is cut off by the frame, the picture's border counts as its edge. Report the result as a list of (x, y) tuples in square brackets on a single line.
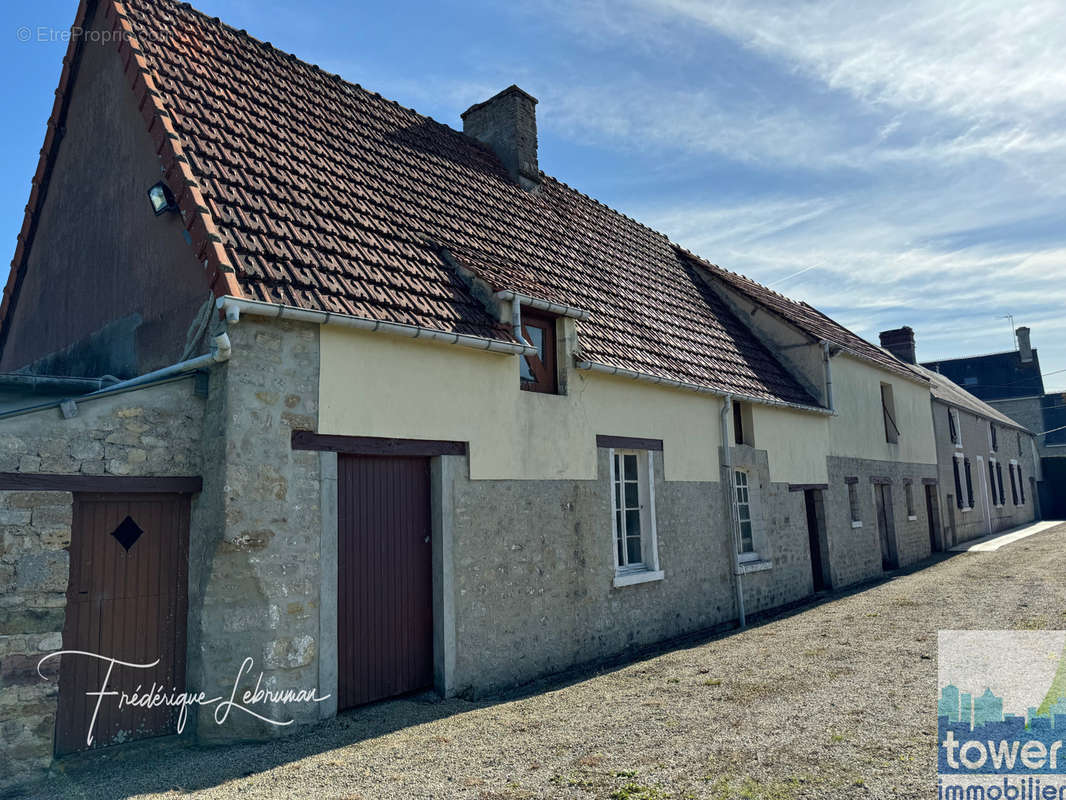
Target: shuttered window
[(969, 483), (958, 484)]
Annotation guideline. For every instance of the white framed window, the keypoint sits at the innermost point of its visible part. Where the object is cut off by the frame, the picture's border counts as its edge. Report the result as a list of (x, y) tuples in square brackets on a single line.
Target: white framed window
[(955, 426), (747, 532), (636, 555)]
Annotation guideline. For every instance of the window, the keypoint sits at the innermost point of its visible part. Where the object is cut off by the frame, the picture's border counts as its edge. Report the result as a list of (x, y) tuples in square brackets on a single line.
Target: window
[(953, 427), (853, 502), (636, 558), (1019, 443), (993, 440), (747, 540), (908, 493), (1013, 484), (969, 482), (888, 407), (958, 484), (1021, 484), (538, 373), (992, 480), (999, 480), (743, 430)]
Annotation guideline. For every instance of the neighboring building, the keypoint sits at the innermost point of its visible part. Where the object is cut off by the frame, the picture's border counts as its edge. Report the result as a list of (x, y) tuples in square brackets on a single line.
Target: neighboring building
[(988, 465), (458, 425), (1012, 383)]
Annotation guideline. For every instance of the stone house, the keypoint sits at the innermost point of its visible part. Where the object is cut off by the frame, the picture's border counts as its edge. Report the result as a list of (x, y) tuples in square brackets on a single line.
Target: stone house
[(1012, 383), (977, 445), (383, 408)]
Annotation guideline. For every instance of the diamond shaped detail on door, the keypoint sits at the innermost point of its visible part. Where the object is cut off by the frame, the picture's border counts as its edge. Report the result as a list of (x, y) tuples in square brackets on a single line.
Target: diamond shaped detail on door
[(127, 533)]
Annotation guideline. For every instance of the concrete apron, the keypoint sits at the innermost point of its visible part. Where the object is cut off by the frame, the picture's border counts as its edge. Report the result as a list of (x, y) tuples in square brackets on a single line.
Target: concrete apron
[(1003, 538)]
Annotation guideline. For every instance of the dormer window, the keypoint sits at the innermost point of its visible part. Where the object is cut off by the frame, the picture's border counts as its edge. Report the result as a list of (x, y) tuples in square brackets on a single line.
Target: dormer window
[(539, 372)]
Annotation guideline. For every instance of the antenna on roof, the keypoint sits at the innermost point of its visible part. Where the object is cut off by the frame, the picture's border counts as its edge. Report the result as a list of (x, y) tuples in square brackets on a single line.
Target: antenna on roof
[(1013, 336)]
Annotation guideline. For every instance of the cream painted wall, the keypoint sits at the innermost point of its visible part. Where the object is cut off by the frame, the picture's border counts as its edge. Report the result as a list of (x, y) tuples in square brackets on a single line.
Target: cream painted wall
[(378, 385), (795, 444), (857, 430)]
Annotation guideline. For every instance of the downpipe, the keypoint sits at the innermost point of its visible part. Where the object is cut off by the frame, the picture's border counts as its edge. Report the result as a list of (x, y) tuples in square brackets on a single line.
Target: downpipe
[(729, 487), (221, 350)]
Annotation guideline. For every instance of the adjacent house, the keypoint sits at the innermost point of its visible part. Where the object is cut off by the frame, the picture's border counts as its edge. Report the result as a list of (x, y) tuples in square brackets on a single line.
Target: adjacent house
[(988, 465), (384, 408), (1012, 383)]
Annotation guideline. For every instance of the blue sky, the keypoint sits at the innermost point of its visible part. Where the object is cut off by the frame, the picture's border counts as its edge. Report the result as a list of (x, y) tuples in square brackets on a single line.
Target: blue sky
[(907, 160)]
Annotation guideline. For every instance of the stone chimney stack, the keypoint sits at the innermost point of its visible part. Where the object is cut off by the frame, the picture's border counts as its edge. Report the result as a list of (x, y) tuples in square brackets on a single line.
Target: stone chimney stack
[(900, 343), (507, 123), (1025, 350)]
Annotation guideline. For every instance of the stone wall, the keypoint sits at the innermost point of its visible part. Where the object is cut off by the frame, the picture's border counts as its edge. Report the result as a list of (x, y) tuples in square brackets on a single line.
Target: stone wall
[(855, 552), (34, 536), (151, 431), (254, 557), (533, 569), (154, 430)]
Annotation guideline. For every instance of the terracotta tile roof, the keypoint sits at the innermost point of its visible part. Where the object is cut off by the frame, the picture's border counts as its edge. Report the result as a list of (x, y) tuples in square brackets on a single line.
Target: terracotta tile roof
[(808, 319), (306, 190)]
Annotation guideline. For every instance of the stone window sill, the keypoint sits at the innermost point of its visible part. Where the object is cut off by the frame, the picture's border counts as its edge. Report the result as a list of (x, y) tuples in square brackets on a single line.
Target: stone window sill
[(638, 576), (755, 566), (856, 523), (912, 517)]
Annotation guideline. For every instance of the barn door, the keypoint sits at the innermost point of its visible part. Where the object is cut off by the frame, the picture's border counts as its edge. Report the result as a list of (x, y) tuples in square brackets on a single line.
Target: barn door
[(127, 600), (384, 578)]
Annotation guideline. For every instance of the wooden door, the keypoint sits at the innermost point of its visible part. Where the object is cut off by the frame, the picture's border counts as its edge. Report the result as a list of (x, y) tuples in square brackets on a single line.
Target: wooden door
[(384, 578), (126, 599), (815, 533), (932, 510), (886, 526)]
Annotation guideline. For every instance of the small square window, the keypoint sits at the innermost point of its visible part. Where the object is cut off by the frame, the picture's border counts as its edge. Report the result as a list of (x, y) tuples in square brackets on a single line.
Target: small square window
[(538, 373), (127, 533)]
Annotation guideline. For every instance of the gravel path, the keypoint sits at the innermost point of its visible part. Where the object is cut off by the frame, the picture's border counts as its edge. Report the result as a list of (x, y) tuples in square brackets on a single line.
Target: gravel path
[(833, 700)]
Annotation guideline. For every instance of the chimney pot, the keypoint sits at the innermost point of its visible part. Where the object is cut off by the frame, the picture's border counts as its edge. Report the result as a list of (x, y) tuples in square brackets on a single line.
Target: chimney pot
[(900, 343), (507, 123), (1025, 349)]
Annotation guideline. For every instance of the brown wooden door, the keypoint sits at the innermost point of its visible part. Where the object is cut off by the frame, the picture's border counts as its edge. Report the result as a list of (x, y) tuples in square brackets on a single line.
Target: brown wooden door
[(384, 578), (886, 527), (127, 599)]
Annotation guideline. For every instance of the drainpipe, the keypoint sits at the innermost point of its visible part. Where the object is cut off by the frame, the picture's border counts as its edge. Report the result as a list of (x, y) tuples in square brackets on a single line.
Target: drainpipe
[(220, 352), (828, 376), (731, 498), (516, 319)]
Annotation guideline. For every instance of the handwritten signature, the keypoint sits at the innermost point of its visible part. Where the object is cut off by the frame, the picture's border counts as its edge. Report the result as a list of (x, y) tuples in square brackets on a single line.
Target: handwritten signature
[(156, 697)]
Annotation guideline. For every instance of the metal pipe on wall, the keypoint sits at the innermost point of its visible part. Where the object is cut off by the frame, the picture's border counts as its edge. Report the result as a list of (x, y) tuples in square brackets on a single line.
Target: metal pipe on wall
[(729, 486)]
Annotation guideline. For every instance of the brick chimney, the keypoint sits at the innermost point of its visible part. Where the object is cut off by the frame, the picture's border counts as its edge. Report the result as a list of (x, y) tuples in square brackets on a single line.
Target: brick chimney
[(1025, 350), (507, 123), (900, 343)]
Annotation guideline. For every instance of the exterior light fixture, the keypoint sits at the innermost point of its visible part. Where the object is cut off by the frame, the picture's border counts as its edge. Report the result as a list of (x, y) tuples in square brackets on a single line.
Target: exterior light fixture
[(162, 199)]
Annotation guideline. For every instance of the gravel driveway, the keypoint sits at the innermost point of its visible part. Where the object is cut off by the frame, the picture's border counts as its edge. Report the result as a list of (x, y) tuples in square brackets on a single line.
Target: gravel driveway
[(834, 699)]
